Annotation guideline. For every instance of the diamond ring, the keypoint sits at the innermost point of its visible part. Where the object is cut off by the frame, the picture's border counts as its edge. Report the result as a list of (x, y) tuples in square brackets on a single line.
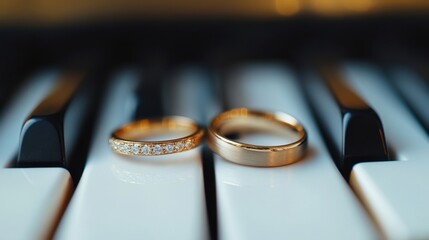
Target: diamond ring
[(142, 137)]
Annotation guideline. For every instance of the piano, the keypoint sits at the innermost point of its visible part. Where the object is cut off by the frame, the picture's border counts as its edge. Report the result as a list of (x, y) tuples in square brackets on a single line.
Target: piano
[(354, 73)]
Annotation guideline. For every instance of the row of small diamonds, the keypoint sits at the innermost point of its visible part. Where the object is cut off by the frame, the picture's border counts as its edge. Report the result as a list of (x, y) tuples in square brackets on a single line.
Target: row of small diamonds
[(151, 149)]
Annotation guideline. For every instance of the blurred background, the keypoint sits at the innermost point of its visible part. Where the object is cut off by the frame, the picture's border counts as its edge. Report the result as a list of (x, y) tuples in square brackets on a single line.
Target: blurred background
[(37, 32)]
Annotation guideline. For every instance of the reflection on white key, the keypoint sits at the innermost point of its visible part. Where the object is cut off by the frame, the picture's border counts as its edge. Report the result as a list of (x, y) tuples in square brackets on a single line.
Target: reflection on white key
[(120, 197), (21, 105), (32, 201), (394, 192), (305, 200)]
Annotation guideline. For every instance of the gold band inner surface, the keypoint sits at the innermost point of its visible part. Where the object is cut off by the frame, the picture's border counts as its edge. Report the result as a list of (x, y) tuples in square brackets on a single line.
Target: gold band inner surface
[(146, 129)]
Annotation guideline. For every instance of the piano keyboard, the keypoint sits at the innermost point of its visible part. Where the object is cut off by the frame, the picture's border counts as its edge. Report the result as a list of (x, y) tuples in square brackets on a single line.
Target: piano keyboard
[(59, 178)]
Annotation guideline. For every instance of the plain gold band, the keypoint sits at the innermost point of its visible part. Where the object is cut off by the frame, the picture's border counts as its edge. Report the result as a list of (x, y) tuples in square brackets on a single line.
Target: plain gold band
[(122, 142), (257, 155)]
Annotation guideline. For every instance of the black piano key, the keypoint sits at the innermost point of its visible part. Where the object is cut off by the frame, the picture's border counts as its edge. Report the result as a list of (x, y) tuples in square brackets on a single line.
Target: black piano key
[(15, 66), (149, 93), (149, 100), (9, 85), (215, 84), (210, 190), (199, 81), (412, 84), (352, 129), (58, 131)]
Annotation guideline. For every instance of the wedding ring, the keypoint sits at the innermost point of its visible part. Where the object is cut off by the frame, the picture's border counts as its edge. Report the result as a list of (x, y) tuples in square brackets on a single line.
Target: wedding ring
[(130, 138), (243, 119)]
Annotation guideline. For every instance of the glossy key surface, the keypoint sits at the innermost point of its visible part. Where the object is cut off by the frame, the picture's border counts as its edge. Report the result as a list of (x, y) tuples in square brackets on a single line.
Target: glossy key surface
[(56, 133), (21, 104), (306, 200), (352, 129), (393, 192), (32, 202), (158, 197)]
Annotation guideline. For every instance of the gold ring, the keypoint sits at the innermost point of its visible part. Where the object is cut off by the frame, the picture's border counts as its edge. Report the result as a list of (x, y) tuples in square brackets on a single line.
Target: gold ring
[(130, 138), (242, 119)]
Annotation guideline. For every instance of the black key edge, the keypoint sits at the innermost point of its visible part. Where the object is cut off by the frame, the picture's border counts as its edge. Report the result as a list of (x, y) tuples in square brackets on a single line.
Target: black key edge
[(361, 137), (210, 191), (58, 132)]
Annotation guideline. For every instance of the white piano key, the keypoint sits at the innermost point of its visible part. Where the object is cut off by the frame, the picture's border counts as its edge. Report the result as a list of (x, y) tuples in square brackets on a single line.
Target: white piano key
[(305, 200), (396, 195), (32, 201), (120, 197), (393, 192), (20, 106)]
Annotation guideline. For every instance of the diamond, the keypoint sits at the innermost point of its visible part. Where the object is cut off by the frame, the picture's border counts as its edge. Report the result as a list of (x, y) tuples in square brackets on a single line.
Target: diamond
[(179, 146), (157, 149), (188, 144), (146, 150), (113, 144), (135, 148), (121, 147), (169, 148), (126, 148)]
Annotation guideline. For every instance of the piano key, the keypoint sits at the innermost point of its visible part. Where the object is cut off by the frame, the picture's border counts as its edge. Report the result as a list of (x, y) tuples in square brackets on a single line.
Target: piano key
[(396, 196), (33, 200), (21, 104), (11, 79), (404, 134), (125, 197), (15, 65), (149, 92), (210, 191), (56, 129), (305, 200), (393, 192), (6, 90), (352, 129), (202, 104), (192, 94), (414, 89)]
